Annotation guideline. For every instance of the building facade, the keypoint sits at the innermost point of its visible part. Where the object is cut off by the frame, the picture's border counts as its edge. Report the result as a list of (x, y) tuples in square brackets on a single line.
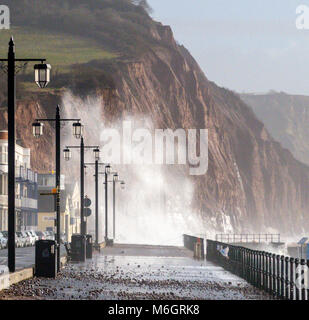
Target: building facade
[(69, 205), (26, 187)]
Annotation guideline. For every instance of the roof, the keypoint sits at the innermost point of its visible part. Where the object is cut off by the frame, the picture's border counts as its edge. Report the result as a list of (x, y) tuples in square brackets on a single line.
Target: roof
[(303, 240)]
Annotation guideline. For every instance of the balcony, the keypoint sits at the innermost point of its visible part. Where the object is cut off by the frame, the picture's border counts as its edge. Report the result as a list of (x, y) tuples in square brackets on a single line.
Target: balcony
[(3, 200), (26, 174), (26, 203)]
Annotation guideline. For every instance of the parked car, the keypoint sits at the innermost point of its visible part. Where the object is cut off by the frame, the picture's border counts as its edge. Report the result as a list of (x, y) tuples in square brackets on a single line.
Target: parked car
[(19, 240), (27, 237), (40, 235), (31, 237), (47, 235), (3, 241), (36, 237), (51, 235)]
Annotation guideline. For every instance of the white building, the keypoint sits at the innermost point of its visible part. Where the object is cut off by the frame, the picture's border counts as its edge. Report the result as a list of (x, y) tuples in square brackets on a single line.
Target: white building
[(26, 187)]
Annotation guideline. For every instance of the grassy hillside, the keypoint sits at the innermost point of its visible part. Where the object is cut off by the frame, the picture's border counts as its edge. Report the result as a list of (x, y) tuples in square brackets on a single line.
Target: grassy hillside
[(61, 50), (77, 37), (119, 25)]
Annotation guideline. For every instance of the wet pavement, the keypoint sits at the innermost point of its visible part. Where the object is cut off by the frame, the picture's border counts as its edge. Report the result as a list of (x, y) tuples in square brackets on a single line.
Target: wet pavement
[(25, 257), (140, 272)]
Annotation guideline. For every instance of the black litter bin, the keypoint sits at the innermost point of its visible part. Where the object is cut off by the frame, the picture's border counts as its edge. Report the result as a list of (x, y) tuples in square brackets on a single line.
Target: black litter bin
[(89, 246), (46, 258), (78, 247)]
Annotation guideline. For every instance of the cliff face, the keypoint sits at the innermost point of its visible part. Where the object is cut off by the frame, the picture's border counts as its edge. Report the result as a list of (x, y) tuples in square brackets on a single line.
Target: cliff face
[(252, 183), (286, 117)]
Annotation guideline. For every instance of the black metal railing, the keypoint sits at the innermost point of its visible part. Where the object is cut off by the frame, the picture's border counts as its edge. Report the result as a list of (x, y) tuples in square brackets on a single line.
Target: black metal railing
[(246, 237), (283, 277)]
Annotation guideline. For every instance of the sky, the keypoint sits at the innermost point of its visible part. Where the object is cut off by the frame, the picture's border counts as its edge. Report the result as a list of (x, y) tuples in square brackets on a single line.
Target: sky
[(243, 45)]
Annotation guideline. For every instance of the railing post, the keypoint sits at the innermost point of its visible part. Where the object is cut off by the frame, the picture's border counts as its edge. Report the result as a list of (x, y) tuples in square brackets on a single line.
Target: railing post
[(249, 266), (287, 282), (297, 280), (264, 270), (270, 269), (307, 283), (274, 274), (246, 264), (292, 280), (278, 276), (254, 268), (282, 276), (303, 279)]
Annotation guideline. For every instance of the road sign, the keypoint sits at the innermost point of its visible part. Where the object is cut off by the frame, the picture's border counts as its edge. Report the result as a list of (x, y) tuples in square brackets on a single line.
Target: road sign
[(303, 240), (87, 202), (87, 212)]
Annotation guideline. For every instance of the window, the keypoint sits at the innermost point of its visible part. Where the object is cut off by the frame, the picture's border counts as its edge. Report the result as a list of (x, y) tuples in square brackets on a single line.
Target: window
[(4, 154), (3, 184)]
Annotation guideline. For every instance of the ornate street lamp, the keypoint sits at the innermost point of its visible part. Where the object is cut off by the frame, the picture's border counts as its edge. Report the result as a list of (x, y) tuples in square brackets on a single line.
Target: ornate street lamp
[(42, 74), (107, 169), (77, 130), (96, 152), (37, 129), (67, 154), (42, 78)]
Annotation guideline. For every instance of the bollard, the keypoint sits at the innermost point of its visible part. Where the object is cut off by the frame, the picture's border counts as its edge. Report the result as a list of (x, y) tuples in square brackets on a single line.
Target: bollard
[(297, 280), (292, 278), (198, 251)]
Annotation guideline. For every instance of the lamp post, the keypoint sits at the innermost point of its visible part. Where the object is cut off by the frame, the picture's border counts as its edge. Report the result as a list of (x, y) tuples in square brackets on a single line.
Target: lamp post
[(37, 128), (67, 156), (42, 78), (122, 183), (107, 172), (96, 175)]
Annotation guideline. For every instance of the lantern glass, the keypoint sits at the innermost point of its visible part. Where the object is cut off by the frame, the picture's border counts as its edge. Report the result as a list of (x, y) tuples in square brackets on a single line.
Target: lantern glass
[(37, 129), (116, 177), (122, 184), (67, 154), (42, 74), (108, 169), (77, 130), (96, 152)]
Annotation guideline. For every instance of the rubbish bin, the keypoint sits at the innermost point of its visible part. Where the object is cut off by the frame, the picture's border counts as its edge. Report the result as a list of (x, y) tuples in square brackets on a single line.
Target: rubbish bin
[(89, 246), (46, 258), (110, 242), (78, 247)]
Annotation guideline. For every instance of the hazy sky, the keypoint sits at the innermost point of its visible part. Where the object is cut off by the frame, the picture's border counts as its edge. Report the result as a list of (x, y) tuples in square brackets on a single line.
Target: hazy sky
[(244, 45)]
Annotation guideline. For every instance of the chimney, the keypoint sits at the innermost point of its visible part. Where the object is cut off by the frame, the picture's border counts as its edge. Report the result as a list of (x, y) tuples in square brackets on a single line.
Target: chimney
[(3, 135)]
